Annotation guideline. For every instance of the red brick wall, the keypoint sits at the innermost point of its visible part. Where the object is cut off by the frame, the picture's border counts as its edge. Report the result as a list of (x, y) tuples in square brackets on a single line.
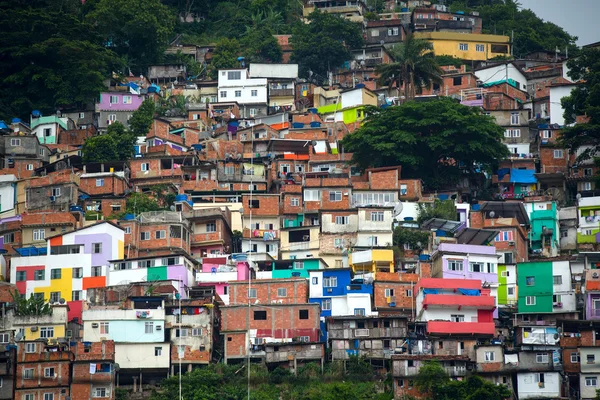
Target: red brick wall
[(112, 185), (266, 291), (344, 204), (414, 189), (20, 168), (549, 164), (154, 243), (400, 289), (268, 205), (99, 353)]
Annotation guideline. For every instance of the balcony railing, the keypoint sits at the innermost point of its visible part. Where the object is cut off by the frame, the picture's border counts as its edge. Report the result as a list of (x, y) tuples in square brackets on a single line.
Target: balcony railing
[(299, 246), (281, 92), (266, 234)]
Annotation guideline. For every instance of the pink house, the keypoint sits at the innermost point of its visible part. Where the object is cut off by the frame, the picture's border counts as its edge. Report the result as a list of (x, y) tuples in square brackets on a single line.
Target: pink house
[(215, 272), (117, 106)]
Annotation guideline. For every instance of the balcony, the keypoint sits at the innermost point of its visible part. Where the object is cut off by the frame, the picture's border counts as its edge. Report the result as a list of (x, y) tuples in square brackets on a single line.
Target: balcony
[(238, 176), (453, 301), (260, 234), (281, 92), (299, 246), (464, 328), (591, 221)]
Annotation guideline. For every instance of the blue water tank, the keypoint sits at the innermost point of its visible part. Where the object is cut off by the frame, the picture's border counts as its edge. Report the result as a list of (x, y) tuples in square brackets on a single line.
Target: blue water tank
[(312, 110), (3, 125), (315, 124), (181, 197), (16, 120), (360, 86), (408, 218), (404, 9), (197, 147), (234, 123), (297, 125), (460, 12), (423, 257), (443, 197), (191, 203), (36, 113), (476, 207), (129, 217)]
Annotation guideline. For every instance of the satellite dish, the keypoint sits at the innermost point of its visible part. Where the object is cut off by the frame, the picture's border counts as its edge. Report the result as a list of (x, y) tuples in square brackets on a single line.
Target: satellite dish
[(172, 208), (19, 336), (314, 142), (61, 301), (397, 209), (492, 214), (238, 156)]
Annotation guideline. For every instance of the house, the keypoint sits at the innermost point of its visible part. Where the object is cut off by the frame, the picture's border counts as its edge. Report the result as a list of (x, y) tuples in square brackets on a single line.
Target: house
[(22, 155), (250, 93), (281, 82), (371, 262), (539, 385), (211, 229), (291, 268), (98, 381), (516, 129), (508, 71), (579, 348), (69, 264), (588, 231), (352, 10), (297, 241), (557, 92), (387, 31), (47, 128), (393, 293), (56, 191), (544, 233), (261, 224), (8, 194), (438, 20), (218, 272), (117, 104), (545, 287), (165, 73), (467, 46), (452, 306), (137, 327)]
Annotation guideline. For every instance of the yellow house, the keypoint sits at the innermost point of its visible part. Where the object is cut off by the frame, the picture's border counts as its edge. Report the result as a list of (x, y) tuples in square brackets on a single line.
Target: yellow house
[(371, 261), (467, 46), (43, 326)]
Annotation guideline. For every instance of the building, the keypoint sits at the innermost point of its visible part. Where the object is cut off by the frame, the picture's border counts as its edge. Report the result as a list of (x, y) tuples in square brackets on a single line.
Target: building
[(261, 224), (211, 232), (388, 31), (467, 46), (281, 83), (250, 93), (47, 128), (545, 287), (22, 155), (544, 233), (588, 231), (352, 10), (94, 370), (118, 104), (455, 306), (291, 268), (368, 262)]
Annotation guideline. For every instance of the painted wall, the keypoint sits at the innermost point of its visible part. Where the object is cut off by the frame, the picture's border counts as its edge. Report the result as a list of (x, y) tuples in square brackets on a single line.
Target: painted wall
[(502, 72), (542, 287), (556, 110), (142, 355), (105, 105), (124, 326), (507, 278), (528, 387)]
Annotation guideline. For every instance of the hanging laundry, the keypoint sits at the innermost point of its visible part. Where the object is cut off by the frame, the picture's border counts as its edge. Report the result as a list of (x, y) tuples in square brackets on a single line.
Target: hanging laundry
[(92, 369)]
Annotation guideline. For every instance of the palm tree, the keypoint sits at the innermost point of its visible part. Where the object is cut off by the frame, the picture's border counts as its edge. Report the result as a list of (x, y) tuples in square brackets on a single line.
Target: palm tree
[(414, 67)]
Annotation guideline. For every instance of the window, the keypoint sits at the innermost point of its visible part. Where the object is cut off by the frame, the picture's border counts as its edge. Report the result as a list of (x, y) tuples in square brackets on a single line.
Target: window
[(389, 292), (359, 312), (114, 99), (281, 292), (530, 300), (341, 220), (127, 99), (104, 328), (29, 167), (557, 279), (96, 248), (491, 268), (591, 381), (99, 182), (48, 396), (512, 133), (298, 264), (591, 359), (144, 235), (574, 358), (295, 202), (377, 216), (112, 117), (546, 134), (530, 281), (223, 93), (312, 195), (326, 305), (49, 372), (97, 271), (128, 230), (47, 332), (476, 267), (103, 392), (181, 332), (238, 93), (490, 356), (28, 372), (145, 166), (39, 234), (504, 236), (77, 272), (510, 291), (15, 142), (54, 297), (463, 46), (9, 238), (514, 118), (252, 293), (588, 172), (335, 196), (558, 154), (457, 318), (303, 314), (234, 75), (330, 281), (157, 351), (541, 358), (76, 295), (457, 81), (254, 93), (56, 192), (260, 315), (160, 234), (149, 327), (30, 348), (39, 275), (586, 186), (21, 276), (480, 48), (372, 241)]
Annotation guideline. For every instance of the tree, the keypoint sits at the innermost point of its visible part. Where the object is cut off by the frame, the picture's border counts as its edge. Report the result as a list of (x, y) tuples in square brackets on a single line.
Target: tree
[(432, 380), (415, 238), (30, 306), (140, 202), (138, 30), (414, 67), (443, 209), (225, 56), (324, 43), (261, 46), (584, 100), (116, 145), (141, 119), (436, 140), (49, 58)]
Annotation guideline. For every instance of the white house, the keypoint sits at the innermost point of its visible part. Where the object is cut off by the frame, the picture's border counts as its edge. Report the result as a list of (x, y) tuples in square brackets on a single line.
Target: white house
[(538, 385), (235, 85), (503, 71), (557, 92), (7, 193)]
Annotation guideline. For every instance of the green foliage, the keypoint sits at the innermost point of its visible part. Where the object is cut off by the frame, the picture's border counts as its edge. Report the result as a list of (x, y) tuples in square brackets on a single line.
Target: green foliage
[(324, 43), (49, 57), (31, 306), (433, 380), (225, 56), (414, 67), (411, 237), (138, 30), (140, 202), (115, 145), (261, 46), (443, 209), (432, 140), (141, 119), (448, 60), (192, 67), (173, 106), (531, 33), (121, 394), (371, 16), (358, 369)]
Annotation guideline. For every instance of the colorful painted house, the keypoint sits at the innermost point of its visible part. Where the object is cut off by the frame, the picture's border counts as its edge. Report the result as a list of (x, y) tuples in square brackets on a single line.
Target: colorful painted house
[(545, 287), (217, 272), (72, 263), (371, 261), (284, 269), (543, 235), (507, 285), (588, 233)]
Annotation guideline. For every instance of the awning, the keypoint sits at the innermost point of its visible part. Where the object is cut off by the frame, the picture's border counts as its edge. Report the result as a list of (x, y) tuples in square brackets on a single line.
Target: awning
[(522, 176)]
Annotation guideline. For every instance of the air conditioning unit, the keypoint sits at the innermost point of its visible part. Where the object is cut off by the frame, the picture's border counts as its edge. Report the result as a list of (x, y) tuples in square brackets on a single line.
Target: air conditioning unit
[(34, 329), (329, 290), (511, 243), (94, 324), (159, 328)]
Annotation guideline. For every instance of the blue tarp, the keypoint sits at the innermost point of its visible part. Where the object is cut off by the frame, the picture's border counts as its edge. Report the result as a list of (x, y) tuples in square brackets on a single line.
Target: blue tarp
[(470, 292), (522, 176), (430, 291), (32, 251), (502, 172)]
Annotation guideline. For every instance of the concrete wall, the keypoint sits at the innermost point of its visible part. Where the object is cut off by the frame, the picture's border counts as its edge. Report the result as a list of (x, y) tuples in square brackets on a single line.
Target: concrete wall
[(142, 355), (528, 387)]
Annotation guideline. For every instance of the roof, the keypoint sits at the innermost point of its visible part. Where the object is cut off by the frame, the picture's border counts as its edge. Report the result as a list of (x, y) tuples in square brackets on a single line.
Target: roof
[(260, 281), (442, 224), (445, 283), (474, 236), (193, 260), (522, 176), (86, 227), (503, 209), (289, 145), (384, 22), (48, 218), (468, 37)]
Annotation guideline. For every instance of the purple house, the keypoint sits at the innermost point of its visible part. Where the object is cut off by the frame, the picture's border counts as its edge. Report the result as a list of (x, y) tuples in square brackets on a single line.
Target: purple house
[(466, 261), (117, 106)]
